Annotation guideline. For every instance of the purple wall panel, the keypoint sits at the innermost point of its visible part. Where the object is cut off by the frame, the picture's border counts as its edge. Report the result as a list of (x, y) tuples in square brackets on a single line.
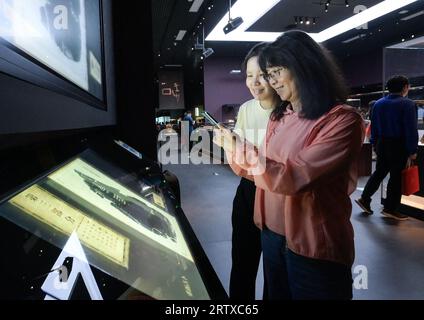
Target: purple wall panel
[(363, 69), (221, 87), (407, 62)]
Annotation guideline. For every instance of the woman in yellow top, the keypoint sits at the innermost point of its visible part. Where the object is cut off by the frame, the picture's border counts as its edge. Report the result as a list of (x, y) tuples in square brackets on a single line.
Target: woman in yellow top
[(252, 121)]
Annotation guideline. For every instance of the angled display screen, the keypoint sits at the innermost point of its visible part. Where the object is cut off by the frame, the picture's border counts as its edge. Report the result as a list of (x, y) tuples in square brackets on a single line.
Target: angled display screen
[(58, 35), (123, 223), (121, 204)]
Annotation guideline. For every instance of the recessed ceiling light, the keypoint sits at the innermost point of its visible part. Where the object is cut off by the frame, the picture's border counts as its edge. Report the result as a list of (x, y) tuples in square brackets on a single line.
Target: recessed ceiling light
[(196, 5), (412, 16), (180, 35), (252, 12)]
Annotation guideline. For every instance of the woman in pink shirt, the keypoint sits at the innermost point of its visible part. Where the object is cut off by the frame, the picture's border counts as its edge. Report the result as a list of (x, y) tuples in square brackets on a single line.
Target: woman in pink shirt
[(304, 173)]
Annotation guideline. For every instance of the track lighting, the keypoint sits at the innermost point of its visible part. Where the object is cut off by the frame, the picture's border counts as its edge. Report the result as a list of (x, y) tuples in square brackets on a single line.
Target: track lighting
[(305, 20), (232, 23)]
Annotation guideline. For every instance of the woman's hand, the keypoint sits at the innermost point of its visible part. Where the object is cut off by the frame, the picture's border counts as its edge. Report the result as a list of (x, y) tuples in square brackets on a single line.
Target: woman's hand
[(225, 139)]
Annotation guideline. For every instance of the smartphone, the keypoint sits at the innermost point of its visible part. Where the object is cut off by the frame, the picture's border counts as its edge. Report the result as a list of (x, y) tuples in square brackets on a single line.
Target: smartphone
[(211, 119)]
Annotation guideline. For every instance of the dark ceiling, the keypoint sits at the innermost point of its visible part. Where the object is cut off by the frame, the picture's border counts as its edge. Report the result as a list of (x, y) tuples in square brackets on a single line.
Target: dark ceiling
[(169, 16)]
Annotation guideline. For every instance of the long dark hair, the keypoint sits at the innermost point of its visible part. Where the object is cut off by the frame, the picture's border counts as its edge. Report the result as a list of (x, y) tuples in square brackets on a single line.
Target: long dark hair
[(253, 52), (318, 79), (396, 84)]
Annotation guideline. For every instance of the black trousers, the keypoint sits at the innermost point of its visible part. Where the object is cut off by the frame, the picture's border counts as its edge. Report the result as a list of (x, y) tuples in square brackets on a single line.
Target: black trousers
[(391, 158), (246, 243)]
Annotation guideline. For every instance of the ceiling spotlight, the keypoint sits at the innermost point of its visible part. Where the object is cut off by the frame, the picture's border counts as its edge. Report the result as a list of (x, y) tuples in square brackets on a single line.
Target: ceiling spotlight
[(347, 3), (301, 20), (307, 21), (295, 20), (314, 20), (326, 5), (208, 52), (232, 23)]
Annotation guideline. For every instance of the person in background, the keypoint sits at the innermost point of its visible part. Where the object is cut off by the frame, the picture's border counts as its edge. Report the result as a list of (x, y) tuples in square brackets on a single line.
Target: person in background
[(370, 108), (252, 121), (394, 135), (190, 122), (312, 145), (368, 127)]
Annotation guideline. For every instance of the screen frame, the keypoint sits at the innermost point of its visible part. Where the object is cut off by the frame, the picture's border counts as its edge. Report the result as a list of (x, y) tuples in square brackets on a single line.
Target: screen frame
[(18, 64)]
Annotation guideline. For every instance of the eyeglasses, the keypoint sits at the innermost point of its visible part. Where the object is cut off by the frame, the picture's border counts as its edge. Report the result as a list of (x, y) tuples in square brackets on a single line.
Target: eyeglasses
[(273, 74)]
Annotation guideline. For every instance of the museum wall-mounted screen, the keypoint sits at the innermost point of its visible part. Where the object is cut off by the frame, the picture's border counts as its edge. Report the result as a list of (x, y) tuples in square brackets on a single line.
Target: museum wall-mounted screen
[(62, 36)]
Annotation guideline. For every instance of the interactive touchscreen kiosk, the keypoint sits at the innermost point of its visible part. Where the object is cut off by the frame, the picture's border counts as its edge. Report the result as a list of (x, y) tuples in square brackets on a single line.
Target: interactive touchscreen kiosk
[(126, 227)]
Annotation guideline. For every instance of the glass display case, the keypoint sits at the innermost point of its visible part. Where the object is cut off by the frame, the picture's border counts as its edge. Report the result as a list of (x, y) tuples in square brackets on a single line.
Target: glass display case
[(401, 59), (412, 205), (101, 225)]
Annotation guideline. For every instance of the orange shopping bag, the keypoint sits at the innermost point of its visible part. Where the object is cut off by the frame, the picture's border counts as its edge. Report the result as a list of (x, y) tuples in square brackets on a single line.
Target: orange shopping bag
[(410, 180)]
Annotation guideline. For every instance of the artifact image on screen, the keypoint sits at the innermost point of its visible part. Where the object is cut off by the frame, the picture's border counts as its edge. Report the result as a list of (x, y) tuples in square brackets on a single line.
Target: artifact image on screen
[(148, 219), (132, 207), (69, 39), (57, 34)]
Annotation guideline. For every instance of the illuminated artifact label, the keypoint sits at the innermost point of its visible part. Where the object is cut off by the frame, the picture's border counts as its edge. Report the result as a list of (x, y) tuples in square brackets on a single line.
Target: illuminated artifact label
[(52, 211)]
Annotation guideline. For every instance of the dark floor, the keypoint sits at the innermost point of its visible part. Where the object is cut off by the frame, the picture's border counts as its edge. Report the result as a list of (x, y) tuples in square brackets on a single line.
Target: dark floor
[(392, 253)]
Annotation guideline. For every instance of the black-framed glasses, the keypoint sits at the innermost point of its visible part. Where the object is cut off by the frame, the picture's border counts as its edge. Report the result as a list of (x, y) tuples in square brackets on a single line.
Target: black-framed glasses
[(273, 74)]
